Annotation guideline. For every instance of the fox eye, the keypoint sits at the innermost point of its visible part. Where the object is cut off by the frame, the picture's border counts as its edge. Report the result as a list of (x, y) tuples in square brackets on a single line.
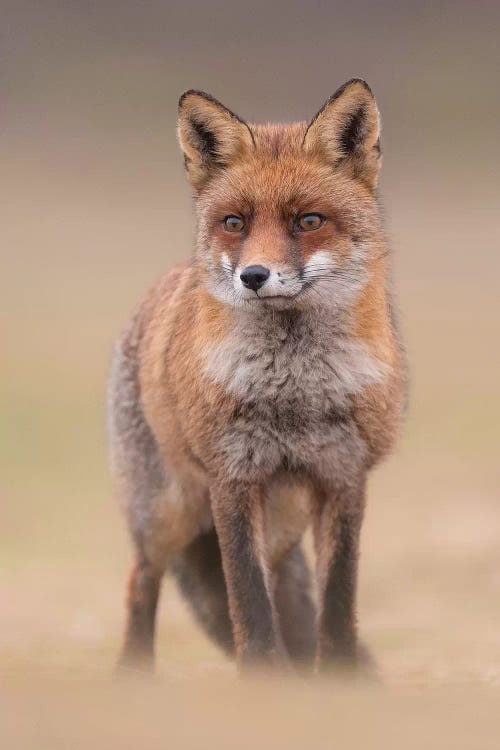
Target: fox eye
[(308, 222), (233, 224)]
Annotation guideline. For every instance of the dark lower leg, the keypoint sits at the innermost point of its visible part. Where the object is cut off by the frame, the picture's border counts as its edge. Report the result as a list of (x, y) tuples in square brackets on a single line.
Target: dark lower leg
[(238, 519), (297, 615), (337, 532), (199, 574), (337, 625), (143, 593)]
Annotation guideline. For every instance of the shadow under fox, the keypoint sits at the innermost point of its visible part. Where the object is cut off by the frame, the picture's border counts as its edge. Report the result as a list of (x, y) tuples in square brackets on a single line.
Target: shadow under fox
[(258, 383)]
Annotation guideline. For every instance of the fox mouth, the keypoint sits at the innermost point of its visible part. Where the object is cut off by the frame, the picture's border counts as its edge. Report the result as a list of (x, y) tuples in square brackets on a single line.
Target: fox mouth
[(269, 297), (272, 296), (284, 297), (274, 301)]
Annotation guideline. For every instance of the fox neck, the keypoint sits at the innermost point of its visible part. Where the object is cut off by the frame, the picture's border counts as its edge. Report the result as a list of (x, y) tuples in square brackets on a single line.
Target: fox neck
[(290, 357), (365, 318)]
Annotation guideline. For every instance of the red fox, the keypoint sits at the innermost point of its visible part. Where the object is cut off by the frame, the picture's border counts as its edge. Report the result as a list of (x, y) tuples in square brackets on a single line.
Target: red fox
[(258, 383)]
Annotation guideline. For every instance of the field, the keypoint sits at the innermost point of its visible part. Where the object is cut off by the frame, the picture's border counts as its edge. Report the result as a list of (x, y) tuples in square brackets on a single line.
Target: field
[(94, 211)]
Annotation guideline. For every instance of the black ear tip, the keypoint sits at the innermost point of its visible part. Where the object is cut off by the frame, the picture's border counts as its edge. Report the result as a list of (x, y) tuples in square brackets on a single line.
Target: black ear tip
[(348, 84), (184, 96), (194, 92), (360, 81), (342, 89)]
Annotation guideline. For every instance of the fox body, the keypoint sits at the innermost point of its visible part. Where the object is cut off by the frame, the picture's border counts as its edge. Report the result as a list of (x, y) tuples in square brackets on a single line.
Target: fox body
[(258, 383)]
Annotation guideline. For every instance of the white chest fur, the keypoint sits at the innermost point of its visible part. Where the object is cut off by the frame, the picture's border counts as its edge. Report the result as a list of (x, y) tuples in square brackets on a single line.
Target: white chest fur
[(299, 359), (294, 376)]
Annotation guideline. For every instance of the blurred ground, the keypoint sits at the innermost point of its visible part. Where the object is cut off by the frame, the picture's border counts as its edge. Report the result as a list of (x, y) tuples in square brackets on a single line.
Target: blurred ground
[(94, 207)]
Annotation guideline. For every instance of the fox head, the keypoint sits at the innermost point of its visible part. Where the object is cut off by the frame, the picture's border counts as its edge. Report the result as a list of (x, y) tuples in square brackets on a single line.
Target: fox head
[(287, 215)]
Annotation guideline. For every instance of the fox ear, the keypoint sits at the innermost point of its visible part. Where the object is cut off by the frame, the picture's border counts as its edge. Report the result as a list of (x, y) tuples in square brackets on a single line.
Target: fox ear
[(346, 131), (210, 135)]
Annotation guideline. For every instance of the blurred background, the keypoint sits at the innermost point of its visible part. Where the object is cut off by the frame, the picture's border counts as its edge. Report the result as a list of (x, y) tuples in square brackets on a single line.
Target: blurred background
[(95, 206)]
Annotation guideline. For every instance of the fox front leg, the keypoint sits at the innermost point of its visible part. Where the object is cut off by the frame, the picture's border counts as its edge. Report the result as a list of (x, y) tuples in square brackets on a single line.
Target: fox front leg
[(239, 521), (338, 519)]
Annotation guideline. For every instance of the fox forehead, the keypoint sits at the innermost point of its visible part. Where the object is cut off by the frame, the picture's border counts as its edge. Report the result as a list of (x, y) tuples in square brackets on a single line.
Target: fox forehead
[(276, 172), (278, 140)]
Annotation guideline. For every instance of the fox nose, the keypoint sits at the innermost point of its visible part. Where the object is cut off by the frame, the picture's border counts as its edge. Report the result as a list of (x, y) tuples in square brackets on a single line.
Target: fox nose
[(253, 277)]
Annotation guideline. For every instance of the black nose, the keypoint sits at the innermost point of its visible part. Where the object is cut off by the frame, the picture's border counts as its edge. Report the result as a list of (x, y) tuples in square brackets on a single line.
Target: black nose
[(253, 277)]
